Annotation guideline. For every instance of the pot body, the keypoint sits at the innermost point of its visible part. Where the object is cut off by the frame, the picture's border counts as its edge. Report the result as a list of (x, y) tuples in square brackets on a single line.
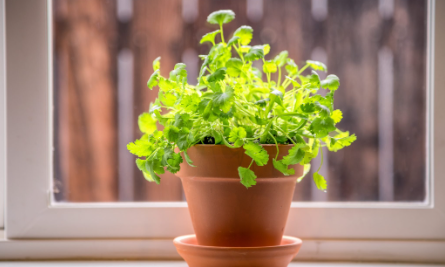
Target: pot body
[(223, 211)]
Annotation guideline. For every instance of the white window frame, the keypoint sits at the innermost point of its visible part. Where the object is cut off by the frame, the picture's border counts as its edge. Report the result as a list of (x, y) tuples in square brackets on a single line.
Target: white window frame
[(2, 116), (370, 230)]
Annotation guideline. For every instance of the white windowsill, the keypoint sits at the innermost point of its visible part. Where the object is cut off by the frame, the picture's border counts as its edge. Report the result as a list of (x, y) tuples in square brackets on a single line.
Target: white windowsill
[(183, 264), (149, 250)]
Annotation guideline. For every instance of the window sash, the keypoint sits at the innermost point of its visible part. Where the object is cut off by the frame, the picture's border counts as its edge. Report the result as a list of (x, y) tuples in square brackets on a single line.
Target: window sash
[(2, 116), (31, 213)]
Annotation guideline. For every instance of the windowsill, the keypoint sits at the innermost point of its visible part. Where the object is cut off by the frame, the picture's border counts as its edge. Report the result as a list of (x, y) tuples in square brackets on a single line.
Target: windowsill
[(181, 264), (40, 250)]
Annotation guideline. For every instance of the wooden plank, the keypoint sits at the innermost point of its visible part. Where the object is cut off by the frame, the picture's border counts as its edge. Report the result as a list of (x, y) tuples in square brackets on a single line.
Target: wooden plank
[(156, 31), (85, 87), (408, 42), (352, 46)]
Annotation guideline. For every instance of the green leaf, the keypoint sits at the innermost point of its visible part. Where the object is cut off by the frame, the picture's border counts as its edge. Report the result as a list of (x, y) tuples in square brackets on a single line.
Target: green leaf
[(147, 124), (147, 177), (294, 83), (172, 160), (210, 37), (182, 120), (203, 67), (149, 165), (340, 141), (314, 80), (306, 169), (247, 176), (165, 85), (168, 153), (259, 121), (221, 17), (245, 34), (182, 142), (140, 163), (158, 134), (325, 101), (172, 133), (257, 153), (295, 155), (291, 67), (187, 159), (321, 127), (254, 53), (218, 75), (308, 108), (157, 63), (233, 41), (331, 82), (179, 66), (281, 58), (207, 109), (234, 67), (140, 147), (153, 80), (316, 65), (223, 99), (168, 99), (269, 67), (311, 151), (244, 48), (237, 135), (320, 181), (275, 96), (266, 48), (337, 115), (217, 136), (178, 72), (324, 111), (279, 165)]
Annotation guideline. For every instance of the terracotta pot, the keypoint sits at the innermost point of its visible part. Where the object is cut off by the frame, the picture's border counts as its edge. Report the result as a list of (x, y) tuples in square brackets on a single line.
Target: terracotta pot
[(204, 256), (223, 211)]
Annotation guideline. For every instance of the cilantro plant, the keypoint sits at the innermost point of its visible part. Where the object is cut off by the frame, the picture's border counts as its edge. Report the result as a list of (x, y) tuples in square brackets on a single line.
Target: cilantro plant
[(238, 105)]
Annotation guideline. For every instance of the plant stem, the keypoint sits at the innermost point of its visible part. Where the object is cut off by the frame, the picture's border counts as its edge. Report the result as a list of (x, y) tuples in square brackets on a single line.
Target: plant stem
[(288, 81), (295, 114), (222, 33), (266, 130), (276, 144), (321, 162), (154, 152), (302, 69), (250, 164), (286, 134), (239, 52), (279, 77), (225, 141), (241, 108)]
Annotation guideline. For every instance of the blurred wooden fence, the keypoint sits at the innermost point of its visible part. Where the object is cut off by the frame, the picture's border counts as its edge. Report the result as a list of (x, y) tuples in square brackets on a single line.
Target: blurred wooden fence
[(354, 38)]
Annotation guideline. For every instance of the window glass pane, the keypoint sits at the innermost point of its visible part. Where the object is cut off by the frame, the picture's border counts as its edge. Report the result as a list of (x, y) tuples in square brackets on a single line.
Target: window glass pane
[(103, 53)]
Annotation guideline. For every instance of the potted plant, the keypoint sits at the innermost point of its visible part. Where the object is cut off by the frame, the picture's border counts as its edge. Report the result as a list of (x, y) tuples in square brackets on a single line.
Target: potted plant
[(240, 139)]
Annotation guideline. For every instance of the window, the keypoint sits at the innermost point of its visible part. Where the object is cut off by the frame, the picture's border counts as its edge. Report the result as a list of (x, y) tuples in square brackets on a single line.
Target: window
[(388, 230), (378, 48)]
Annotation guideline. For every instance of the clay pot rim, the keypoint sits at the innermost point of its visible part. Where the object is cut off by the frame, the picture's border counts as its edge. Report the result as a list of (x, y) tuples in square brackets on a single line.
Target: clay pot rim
[(279, 145), (178, 241), (237, 179)]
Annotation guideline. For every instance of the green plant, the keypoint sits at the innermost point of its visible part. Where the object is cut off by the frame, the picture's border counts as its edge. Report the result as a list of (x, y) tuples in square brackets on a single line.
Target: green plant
[(233, 105)]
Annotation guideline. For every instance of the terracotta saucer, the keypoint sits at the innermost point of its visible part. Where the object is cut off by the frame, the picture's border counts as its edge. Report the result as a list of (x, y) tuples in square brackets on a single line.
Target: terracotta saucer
[(207, 256)]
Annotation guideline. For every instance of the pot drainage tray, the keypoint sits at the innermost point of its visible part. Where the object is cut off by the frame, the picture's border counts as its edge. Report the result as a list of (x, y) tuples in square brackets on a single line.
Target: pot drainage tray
[(207, 256)]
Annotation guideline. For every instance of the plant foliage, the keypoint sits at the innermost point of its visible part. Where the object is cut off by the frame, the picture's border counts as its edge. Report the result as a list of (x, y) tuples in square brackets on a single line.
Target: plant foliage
[(238, 105)]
